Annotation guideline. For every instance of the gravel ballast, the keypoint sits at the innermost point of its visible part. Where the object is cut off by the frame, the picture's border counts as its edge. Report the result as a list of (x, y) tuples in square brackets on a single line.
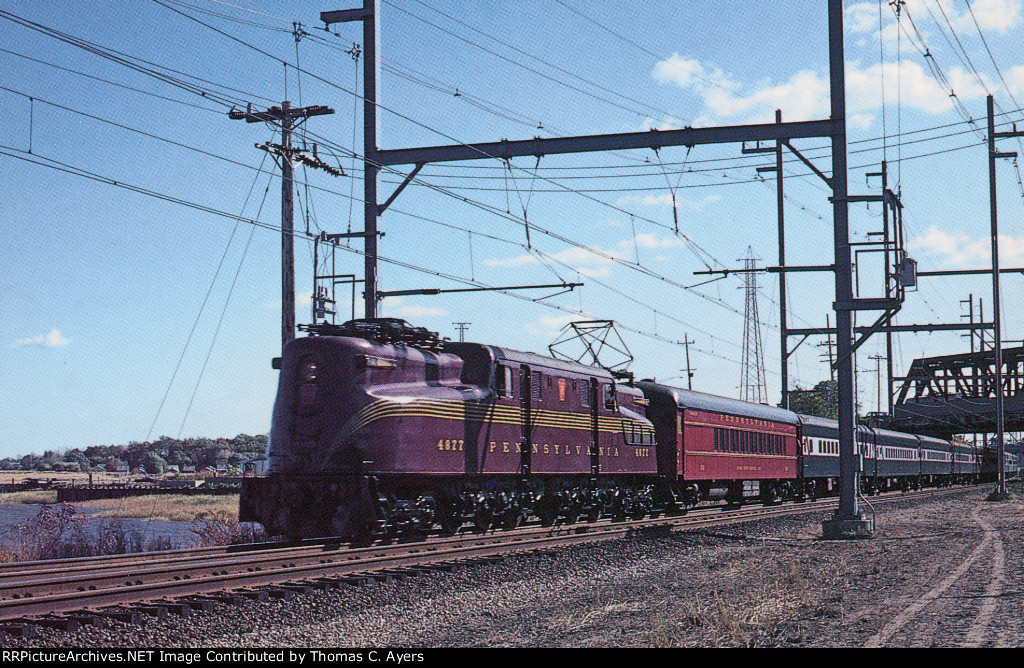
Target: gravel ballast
[(939, 572)]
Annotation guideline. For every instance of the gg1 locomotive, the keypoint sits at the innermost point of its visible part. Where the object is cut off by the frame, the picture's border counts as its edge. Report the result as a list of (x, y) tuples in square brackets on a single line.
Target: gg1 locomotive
[(380, 427)]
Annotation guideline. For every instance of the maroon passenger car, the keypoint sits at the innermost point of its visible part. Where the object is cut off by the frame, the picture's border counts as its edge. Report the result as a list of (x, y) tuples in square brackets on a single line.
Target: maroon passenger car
[(711, 446)]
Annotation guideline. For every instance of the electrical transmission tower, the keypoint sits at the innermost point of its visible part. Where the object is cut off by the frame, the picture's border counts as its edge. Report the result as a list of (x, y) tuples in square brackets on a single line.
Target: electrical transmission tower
[(752, 378)]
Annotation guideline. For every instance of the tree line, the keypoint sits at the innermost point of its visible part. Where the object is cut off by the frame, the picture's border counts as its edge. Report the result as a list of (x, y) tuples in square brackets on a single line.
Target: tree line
[(154, 457)]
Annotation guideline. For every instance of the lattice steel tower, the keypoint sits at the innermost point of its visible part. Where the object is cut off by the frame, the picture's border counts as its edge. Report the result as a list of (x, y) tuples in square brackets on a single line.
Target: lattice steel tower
[(752, 378)]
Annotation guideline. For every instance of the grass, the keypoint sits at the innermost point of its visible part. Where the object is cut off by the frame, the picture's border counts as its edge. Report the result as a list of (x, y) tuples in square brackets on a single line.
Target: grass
[(29, 496), (169, 507)]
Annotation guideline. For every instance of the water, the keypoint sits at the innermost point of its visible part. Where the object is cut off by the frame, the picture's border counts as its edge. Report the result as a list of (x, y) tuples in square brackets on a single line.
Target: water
[(177, 534)]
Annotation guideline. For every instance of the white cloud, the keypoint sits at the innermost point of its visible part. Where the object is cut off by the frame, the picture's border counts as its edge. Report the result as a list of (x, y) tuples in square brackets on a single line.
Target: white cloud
[(549, 326), (992, 16), (862, 17), (53, 339), (664, 200), (658, 124), (1015, 79), (580, 257), (394, 307), (689, 72), (587, 263), (650, 240), (594, 272), (805, 95), (997, 15), (958, 250)]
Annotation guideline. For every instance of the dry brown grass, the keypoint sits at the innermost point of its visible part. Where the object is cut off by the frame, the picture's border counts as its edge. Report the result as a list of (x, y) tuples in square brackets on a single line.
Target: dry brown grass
[(170, 507), (723, 619), (30, 496)]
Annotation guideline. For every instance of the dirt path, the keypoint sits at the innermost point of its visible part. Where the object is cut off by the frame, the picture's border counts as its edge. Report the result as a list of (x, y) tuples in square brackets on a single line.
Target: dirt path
[(945, 609)]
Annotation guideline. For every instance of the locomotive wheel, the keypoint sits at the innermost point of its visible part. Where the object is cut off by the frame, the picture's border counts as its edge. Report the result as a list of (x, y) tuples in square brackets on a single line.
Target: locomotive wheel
[(513, 519), (594, 513), (547, 510), (449, 518), (572, 513), (483, 519)]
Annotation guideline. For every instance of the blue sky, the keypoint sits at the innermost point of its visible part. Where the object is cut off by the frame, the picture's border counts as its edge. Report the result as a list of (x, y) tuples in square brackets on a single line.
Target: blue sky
[(101, 286)]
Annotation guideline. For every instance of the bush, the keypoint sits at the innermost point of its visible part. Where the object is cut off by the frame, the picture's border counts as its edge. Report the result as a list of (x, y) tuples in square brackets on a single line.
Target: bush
[(218, 529), (60, 531)]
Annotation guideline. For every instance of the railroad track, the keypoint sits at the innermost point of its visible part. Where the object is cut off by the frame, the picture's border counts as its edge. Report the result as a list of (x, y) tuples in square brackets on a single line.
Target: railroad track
[(45, 588)]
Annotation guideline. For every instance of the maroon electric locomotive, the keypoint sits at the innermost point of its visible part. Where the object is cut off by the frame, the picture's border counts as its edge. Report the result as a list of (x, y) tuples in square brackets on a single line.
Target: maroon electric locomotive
[(382, 427)]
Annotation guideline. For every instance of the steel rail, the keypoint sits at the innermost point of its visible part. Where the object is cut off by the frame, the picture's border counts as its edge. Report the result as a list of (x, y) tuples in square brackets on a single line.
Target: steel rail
[(219, 572)]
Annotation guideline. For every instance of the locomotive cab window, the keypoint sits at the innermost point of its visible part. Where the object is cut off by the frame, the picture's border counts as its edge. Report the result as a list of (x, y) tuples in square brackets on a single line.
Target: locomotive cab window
[(609, 396), (503, 380)]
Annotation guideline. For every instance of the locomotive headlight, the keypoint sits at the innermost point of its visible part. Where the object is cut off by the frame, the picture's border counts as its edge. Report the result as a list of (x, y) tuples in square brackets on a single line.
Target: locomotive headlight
[(308, 371), (371, 362)]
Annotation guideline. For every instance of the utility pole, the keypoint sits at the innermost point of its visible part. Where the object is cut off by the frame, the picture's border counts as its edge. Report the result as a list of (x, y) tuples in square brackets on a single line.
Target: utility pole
[(287, 119), (997, 339), (848, 521), (689, 369), (462, 327), (369, 14), (781, 215), (878, 374), (827, 344)]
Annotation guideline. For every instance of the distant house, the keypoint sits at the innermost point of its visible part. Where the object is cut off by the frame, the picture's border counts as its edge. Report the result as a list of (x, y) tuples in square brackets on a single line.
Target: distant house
[(123, 468), (256, 467), (173, 468), (188, 468)]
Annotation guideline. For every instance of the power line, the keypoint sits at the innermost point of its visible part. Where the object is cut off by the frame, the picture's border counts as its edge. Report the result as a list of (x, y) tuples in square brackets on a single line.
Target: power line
[(534, 58), (644, 49), (206, 298), (112, 83)]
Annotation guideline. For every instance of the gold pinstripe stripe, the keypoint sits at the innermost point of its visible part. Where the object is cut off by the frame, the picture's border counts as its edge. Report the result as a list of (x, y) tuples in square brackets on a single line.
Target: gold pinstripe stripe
[(728, 426), (738, 454), (498, 413)]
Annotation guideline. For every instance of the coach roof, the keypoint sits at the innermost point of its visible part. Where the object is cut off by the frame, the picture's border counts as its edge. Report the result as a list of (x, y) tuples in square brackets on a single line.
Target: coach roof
[(716, 404)]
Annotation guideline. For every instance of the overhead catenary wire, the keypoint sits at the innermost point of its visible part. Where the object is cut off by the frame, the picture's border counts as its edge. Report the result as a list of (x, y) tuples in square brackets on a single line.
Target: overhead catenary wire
[(70, 169), (206, 298), (223, 312), (64, 167), (534, 58), (694, 246), (353, 159)]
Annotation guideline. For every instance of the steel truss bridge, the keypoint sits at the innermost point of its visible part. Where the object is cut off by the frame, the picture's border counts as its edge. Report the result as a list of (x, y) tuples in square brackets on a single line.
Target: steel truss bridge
[(955, 394)]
